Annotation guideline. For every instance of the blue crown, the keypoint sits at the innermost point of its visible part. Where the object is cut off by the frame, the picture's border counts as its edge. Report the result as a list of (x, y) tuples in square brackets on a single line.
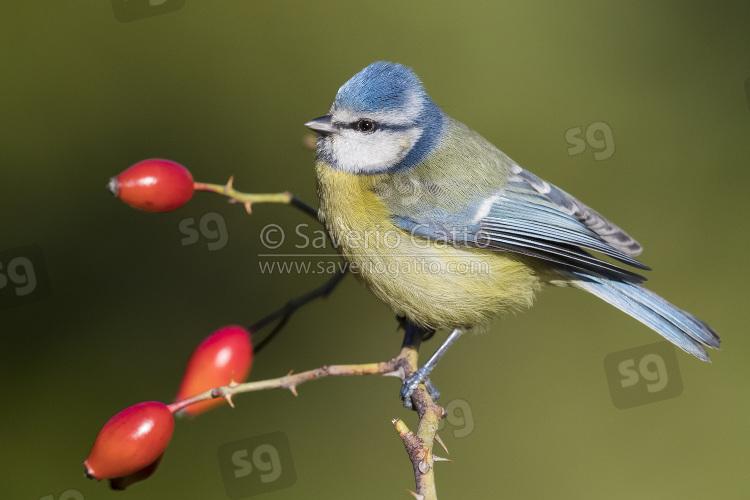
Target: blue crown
[(380, 86)]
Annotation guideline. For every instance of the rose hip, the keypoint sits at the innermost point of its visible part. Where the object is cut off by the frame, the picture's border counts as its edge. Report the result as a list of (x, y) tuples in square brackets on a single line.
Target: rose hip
[(225, 355), (154, 185), (130, 441)]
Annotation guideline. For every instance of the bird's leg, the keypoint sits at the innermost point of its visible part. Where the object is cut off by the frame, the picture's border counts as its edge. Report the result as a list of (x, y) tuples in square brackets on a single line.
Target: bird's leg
[(421, 375), (412, 333), (413, 337)]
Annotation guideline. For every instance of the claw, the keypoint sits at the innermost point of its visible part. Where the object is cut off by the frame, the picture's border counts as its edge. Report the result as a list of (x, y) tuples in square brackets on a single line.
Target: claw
[(412, 382), (407, 388), (431, 389)]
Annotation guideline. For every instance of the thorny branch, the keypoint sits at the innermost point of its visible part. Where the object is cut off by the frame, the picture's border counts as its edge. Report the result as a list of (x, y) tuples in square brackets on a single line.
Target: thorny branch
[(419, 446)]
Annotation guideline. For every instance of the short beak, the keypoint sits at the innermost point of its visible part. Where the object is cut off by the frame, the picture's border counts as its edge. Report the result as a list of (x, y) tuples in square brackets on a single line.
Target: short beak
[(321, 125)]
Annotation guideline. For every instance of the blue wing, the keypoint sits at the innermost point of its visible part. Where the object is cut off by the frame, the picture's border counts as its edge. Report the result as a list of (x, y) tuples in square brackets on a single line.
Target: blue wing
[(531, 217)]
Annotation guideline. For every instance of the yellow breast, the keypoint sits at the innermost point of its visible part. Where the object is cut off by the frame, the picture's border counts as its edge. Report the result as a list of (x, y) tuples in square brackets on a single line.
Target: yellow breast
[(434, 284)]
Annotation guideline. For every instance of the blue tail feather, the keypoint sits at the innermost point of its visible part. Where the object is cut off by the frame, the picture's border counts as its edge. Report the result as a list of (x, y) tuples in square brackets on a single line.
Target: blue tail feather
[(679, 327)]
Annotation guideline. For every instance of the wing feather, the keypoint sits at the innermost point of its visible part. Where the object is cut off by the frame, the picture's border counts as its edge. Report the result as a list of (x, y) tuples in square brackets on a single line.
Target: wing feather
[(592, 219), (531, 217)]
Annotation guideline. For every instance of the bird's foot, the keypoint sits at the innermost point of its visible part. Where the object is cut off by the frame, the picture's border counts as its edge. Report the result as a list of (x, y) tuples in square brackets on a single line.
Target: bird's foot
[(412, 382)]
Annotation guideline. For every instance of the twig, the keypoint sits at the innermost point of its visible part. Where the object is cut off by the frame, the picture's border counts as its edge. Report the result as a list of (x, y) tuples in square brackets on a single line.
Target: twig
[(248, 199), (287, 382), (291, 307), (419, 446)]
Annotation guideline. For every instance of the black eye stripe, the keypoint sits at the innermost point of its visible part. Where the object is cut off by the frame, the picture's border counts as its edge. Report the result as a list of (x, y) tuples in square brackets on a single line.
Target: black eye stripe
[(378, 126)]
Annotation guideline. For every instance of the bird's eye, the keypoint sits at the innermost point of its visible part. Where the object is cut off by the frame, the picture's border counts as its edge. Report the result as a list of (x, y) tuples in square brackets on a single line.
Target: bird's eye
[(365, 125)]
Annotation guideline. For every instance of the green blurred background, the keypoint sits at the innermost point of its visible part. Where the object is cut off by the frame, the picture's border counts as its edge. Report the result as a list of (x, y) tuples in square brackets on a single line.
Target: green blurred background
[(224, 88)]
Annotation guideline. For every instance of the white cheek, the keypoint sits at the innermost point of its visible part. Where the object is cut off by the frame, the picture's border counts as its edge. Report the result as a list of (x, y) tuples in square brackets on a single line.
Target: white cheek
[(357, 152)]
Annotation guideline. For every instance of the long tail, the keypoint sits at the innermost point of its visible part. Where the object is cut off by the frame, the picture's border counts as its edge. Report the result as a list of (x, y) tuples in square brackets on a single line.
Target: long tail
[(679, 327)]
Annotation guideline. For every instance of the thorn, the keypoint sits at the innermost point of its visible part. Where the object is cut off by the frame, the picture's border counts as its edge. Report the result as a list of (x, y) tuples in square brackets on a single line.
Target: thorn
[(398, 372), (234, 383), (228, 397), (437, 438), (229, 183), (424, 467), (248, 207), (441, 459), (416, 495), (293, 388), (290, 372)]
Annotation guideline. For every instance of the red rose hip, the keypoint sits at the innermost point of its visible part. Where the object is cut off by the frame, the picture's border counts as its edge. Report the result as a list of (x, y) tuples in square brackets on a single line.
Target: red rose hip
[(130, 441), (224, 355), (154, 185)]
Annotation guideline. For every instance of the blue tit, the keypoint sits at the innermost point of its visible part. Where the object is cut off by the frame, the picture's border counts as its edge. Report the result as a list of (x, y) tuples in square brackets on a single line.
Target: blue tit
[(450, 232)]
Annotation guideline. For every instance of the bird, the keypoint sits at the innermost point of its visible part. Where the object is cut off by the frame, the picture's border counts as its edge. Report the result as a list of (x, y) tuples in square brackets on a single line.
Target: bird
[(450, 232)]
